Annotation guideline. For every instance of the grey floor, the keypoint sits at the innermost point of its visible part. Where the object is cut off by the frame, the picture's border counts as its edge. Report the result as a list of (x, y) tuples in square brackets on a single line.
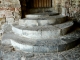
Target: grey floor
[(9, 53)]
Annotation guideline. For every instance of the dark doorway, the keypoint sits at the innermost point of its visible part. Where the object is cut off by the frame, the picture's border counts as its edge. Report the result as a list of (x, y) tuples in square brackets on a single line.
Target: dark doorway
[(39, 3), (26, 5)]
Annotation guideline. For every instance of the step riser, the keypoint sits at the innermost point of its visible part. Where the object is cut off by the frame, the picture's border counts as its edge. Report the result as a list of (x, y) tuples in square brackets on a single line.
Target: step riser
[(41, 33), (42, 21), (32, 23), (44, 49), (35, 16)]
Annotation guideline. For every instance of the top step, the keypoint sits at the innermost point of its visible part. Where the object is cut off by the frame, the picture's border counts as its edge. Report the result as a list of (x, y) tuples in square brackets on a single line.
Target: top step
[(35, 16), (39, 15), (42, 20)]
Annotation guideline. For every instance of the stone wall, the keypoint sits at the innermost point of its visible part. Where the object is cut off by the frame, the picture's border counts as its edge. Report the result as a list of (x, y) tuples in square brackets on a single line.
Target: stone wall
[(67, 7), (10, 9)]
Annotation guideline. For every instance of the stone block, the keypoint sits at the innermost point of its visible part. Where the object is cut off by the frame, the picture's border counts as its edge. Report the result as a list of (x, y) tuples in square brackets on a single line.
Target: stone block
[(36, 49), (29, 23), (42, 45), (63, 11), (6, 42), (44, 32), (65, 27), (52, 49), (50, 34), (31, 34), (17, 9), (40, 49), (2, 20), (23, 47), (16, 22), (43, 49), (33, 16), (46, 22), (0, 23), (17, 31), (10, 20), (1, 8), (17, 16), (21, 22), (42, 21), (65, 30), (38, 32), (8, 13), (2, 13), (12, 9)]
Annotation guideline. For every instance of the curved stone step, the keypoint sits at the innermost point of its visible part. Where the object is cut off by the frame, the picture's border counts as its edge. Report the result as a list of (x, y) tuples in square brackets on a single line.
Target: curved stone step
[(48, 13), (43, 46), (49, 20), (43, 32), (34, 16), (39, 15)]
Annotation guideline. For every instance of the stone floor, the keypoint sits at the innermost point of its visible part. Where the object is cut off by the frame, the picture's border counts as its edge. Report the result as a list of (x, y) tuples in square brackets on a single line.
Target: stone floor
[(9, 53)]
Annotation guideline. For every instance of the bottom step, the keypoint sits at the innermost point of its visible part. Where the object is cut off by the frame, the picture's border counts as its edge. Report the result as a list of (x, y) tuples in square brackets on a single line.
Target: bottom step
[(43, 46)]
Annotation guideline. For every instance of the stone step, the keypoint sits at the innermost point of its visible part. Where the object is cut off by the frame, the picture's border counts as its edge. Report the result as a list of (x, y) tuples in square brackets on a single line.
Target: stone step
[(42, 20), (50, 13), (42, 46), (34, 16), (43, 32), (39, 15)]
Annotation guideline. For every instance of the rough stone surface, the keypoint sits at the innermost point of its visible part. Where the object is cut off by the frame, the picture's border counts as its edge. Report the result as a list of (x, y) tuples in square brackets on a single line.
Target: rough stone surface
[(6, 27), (42, 20), (42, 32), (34, 16), (10, 20), (8, 9), (40, 39), (42, 45), (8, 53)]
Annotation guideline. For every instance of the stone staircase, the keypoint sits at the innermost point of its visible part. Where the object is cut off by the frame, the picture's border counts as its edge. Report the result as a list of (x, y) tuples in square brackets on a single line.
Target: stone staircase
[(42, 33)]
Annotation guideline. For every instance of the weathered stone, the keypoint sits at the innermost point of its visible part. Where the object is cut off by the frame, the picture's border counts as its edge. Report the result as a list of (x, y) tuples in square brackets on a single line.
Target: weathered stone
[(34, 16), (22, 47), (0, 23), (17, 10), (39, 45), (17, 30), (9, 7), (9, 14), (28, 23), (17, 55), (10, 20), (6, 27), (33, 35), (2, 14), (42, 20), (2, 20), (23, 58), (42, 32), (17, 15)]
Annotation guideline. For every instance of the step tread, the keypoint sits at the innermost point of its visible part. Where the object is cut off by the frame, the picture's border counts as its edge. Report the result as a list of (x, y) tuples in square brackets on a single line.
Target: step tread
[(41, 46), (61, 40), (44, 28), (44, 17), (24, 40)]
